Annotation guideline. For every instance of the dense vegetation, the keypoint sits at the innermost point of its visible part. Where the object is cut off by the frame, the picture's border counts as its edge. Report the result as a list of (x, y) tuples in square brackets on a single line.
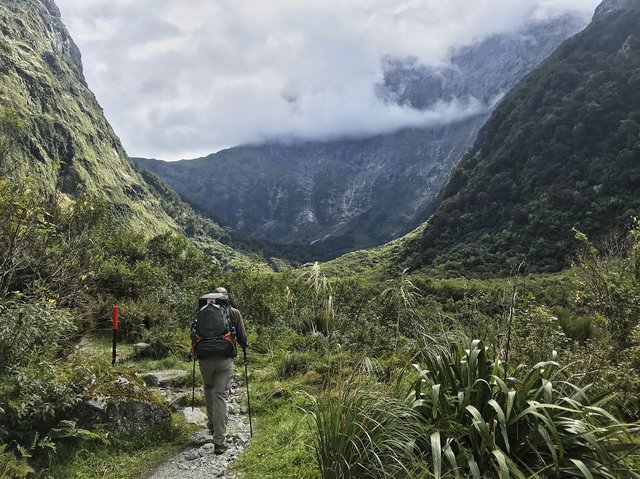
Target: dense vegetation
[(560, 151), (338, 348)]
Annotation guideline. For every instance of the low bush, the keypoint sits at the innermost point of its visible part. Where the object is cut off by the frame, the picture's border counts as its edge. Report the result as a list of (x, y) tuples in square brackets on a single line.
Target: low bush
[(31, 328), (11, 466), (167, 341), (294, 363), (36, 397)]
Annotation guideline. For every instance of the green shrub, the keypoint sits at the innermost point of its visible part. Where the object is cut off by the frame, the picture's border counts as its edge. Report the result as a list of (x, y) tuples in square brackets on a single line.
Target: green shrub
[(606, 282), (116, 277), (531, 423), (122, 280), (167, 341), (12, 467), (29, 329), (37, 387), (578, 328), (621, 378), (294, 363), (137, 317), (35, 398), (536, 334)]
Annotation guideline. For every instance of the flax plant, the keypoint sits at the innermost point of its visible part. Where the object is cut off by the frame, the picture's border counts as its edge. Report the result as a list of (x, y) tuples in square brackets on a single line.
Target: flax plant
[(322, 300), (534, 424)]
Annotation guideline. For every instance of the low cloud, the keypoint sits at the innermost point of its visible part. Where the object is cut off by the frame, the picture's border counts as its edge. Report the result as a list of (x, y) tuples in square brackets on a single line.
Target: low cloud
[(179, 81)]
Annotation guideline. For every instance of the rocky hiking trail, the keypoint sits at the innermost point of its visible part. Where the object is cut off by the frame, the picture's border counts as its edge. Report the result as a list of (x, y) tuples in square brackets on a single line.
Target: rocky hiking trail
[(198, 461)]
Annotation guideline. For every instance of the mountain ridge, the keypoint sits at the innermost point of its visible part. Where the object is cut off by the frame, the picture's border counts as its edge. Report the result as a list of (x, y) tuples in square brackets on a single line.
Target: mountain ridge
[(352, 193), (559, 153)]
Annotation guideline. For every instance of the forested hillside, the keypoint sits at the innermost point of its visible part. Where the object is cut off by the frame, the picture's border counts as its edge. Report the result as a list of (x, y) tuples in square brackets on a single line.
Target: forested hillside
[(561, 151), (64, 137)]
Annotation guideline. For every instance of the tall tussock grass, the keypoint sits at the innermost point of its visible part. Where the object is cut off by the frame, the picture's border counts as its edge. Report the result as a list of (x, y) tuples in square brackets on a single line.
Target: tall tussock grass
[(362, 435)]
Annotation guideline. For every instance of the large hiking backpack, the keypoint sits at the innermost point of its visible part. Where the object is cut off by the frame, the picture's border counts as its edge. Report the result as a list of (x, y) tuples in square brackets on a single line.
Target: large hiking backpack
[(211, 334)]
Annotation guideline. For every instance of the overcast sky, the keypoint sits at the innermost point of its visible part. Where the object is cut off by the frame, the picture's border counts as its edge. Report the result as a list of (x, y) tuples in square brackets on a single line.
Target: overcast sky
[(185, 78)]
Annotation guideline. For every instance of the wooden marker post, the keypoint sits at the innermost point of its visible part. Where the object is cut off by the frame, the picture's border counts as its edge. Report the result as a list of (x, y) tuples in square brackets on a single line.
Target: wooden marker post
[(114, 323)]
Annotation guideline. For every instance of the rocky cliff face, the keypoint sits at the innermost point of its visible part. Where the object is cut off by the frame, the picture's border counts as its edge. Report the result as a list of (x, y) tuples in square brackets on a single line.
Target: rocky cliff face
[(610, 6), (41, 80), (347, 194)]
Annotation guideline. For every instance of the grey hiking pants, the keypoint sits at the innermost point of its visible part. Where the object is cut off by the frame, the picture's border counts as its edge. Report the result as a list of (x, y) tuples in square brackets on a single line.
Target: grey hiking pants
[(216, 374)]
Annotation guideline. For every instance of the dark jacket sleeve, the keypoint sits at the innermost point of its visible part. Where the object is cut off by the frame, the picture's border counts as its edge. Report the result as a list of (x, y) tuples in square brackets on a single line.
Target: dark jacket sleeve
[(238, 323)]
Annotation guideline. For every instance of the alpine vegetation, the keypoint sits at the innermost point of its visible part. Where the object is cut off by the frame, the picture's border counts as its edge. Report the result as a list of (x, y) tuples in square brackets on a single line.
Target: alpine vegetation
[(500, 339)]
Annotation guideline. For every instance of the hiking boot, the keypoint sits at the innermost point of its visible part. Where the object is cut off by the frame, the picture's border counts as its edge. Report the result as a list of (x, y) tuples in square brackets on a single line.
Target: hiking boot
[(219, 448)]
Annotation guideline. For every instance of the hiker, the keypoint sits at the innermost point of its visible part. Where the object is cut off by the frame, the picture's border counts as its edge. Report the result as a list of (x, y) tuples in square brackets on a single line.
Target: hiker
[(215, 334)]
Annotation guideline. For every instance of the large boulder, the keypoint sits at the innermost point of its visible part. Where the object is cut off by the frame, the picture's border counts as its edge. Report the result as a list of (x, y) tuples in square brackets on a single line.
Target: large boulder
[(122, 405)]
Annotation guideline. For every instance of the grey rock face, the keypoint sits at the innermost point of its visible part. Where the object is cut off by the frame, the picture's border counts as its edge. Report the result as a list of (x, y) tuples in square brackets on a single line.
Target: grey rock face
[(166, 378), (609, 6)]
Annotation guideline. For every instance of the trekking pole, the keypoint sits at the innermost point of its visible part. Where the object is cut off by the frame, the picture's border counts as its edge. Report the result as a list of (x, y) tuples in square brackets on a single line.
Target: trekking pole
[(246, 380), (193, 384)]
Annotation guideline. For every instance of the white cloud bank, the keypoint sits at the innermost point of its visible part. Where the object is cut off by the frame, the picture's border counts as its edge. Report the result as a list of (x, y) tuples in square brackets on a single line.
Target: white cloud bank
[(179, 79)]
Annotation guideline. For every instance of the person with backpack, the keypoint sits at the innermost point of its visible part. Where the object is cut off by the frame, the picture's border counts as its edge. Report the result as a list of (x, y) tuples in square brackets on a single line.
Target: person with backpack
[(217, 331)]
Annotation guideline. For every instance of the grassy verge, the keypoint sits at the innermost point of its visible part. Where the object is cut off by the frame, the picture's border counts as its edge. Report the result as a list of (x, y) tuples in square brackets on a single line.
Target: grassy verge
[(282, 444), (123, 458), (280, 447)]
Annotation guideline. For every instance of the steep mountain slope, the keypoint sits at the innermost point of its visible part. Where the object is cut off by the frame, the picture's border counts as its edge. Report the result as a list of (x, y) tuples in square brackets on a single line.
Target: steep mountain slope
[(41, 80), (346, 194), (562, 150), (65, 140)]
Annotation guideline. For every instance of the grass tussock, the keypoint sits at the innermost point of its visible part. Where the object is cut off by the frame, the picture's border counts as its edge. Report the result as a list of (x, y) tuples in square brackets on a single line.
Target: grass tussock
[(360, 434)]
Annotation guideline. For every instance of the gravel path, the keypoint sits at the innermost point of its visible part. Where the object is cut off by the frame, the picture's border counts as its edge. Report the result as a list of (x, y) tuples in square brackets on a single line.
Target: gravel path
[(199, 461)]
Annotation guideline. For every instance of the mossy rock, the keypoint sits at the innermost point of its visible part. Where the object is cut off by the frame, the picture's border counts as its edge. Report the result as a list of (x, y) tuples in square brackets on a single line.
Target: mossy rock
[(121, 405)]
